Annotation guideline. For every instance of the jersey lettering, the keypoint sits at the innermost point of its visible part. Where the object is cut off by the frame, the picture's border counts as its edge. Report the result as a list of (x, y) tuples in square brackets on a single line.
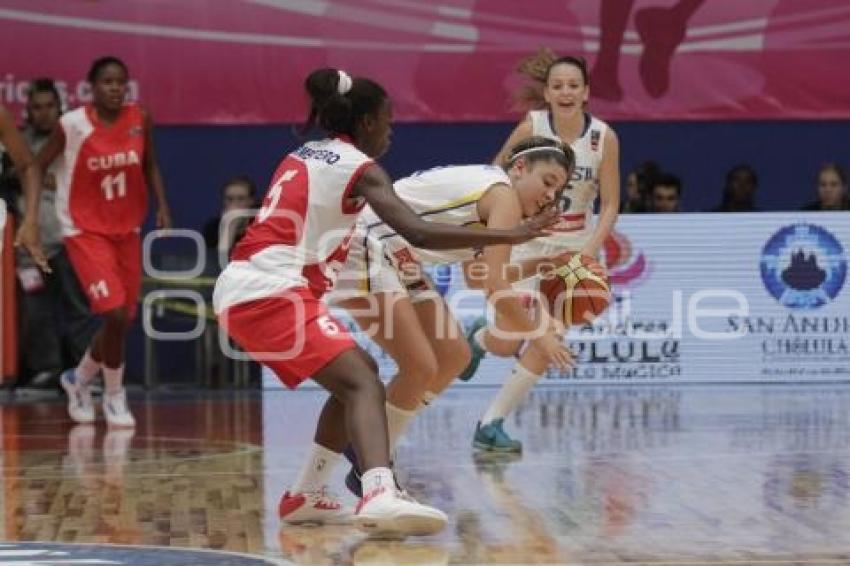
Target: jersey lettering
[(106, 162), (306, 152)]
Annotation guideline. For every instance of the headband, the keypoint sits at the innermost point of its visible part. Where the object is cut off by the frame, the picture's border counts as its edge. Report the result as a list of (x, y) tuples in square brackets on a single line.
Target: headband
[(533, 149)]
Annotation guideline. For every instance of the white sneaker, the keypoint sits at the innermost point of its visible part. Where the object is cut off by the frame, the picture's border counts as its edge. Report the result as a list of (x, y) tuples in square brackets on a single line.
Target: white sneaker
[(389, 513), (80, 404), (319, 506), (116, 411)]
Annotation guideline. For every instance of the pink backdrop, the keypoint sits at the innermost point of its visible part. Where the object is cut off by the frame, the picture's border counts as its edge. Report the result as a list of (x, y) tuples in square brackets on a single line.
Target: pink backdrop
[(243, 61)]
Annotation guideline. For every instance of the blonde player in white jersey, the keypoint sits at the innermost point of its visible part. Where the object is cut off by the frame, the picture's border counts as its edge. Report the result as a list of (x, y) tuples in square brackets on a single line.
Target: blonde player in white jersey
[(386, 291), (563, 90)]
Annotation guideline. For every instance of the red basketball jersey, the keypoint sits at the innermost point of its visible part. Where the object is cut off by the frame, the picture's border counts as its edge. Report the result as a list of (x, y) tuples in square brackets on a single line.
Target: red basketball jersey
[(101, 183), (301, 235)]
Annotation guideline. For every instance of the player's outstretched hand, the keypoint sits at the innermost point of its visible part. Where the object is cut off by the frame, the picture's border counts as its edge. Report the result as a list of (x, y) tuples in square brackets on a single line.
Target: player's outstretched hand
[(552, 346), (535, 227), (28, 238)]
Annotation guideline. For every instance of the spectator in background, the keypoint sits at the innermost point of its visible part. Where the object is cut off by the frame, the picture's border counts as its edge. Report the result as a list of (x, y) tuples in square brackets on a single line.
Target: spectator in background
[(667, 193), (29, 174), (639, 183), (238, 193), (739, 194), (56, 323), (832, 189)]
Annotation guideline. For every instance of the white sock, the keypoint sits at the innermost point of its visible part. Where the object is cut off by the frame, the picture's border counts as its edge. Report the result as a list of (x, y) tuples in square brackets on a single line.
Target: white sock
[(113, 379), (317, 469), (377, 477), (513, 391), (397, 422), (87, 368)]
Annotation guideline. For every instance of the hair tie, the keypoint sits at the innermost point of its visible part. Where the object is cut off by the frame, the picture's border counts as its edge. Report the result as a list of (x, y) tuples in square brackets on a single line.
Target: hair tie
[(345, 82)]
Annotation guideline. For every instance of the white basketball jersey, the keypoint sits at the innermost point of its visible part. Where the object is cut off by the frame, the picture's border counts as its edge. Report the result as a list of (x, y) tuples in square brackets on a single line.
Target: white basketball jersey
[(577, 201), (300, 236), (444, 194)]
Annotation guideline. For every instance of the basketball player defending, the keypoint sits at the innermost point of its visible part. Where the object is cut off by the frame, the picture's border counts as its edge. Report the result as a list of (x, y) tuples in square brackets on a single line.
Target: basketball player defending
[(268, 299)]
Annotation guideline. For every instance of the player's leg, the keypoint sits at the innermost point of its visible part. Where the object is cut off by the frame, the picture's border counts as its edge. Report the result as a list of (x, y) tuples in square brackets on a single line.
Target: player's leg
[(445, 336), (480, 338), (308, 498), (490, 434), (391, 321), (359, 407), (294, 336), (116, 325), (95, 261), (297, 338), (80, 324), (112, 345)]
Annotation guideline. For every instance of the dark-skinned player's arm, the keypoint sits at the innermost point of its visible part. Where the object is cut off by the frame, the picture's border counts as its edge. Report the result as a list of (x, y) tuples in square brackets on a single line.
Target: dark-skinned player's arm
[(153, 176), (30, 176)]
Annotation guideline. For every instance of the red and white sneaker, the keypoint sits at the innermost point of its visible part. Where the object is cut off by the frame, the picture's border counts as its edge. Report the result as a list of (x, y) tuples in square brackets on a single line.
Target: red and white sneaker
[(391, 513), (319, 506)]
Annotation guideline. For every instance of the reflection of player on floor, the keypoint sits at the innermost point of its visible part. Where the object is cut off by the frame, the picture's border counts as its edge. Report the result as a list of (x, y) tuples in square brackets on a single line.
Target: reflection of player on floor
[(520, 527), (269, 297), (109, 160), (661, 30), (103, 493), (385, 289), (563, 91)]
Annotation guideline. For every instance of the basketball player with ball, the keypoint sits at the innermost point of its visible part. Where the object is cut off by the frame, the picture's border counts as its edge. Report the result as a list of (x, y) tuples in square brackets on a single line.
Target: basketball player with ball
[(577, 290)]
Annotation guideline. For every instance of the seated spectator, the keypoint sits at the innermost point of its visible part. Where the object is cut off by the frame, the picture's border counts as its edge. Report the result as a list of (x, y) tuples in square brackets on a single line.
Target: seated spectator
[(639, 183), (832, 189), (238, 193), (667, 193), (740, 191)]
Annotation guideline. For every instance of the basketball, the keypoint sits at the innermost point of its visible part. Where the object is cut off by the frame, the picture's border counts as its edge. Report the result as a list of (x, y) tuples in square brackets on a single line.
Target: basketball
[(578, 292)]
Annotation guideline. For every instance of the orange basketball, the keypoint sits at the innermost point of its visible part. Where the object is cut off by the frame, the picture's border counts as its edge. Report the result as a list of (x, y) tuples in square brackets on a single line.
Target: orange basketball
[(578, 292)]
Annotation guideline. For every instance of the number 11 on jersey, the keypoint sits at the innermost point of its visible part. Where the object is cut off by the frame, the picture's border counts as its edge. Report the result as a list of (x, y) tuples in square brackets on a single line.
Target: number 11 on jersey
[(114, 186)]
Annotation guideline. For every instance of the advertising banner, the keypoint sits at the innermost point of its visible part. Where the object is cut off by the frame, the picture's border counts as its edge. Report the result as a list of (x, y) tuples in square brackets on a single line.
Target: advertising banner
[(758, 297), (244, 61)]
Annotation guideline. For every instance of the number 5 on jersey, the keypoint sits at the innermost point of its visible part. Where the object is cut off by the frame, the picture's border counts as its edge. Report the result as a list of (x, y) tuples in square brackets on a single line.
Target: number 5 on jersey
[(274, 194)]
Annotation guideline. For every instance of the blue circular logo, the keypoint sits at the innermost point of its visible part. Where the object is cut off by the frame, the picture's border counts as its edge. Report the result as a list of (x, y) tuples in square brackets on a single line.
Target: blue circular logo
[(803, 266)]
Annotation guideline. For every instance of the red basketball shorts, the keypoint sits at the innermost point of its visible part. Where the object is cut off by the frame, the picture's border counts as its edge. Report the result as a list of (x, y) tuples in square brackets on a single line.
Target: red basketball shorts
[(109, 268), (294, 334)]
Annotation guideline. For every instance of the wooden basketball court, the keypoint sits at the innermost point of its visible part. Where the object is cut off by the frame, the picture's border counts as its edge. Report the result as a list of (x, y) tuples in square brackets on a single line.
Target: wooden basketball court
[(651, 475)]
